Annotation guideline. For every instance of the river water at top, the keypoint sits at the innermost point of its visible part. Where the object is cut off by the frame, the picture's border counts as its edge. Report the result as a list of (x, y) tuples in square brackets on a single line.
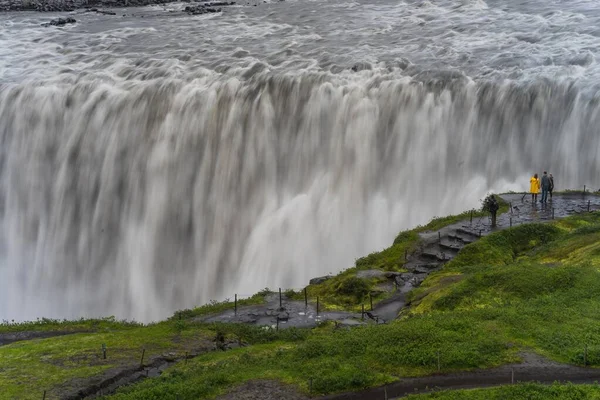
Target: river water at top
[(517, 40), (151, 161)]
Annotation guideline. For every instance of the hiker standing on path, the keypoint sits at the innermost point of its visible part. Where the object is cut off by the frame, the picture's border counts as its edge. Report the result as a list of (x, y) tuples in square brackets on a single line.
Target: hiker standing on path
[(545, 187), (534, 188), (551, 185)]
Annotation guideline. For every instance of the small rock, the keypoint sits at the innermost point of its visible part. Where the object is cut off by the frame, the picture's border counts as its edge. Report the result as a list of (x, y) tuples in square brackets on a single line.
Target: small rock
[(319, 280)]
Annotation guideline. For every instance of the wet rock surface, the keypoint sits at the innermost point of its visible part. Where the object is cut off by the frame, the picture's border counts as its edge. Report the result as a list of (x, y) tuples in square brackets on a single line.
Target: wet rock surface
[(202, 7), (60, 22), (289, 313)]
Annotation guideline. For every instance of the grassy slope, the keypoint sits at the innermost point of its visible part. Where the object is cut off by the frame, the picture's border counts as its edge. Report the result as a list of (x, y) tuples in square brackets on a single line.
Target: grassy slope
[(531, 287), (344, 291), (30, 367)]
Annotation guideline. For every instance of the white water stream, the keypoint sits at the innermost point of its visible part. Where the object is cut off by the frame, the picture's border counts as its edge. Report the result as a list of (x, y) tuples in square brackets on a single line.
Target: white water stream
[(148, 165)]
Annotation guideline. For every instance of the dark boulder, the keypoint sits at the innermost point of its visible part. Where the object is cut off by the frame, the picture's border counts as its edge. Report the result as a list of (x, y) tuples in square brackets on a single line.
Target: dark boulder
[(200, 9), (60, 22)]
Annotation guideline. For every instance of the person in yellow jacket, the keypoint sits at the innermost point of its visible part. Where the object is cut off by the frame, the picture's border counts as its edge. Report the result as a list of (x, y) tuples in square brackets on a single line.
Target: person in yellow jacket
[(534, 188)]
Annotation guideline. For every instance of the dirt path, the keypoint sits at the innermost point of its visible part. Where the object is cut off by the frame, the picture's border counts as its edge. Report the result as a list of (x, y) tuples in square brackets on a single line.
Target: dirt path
[(533, 368)]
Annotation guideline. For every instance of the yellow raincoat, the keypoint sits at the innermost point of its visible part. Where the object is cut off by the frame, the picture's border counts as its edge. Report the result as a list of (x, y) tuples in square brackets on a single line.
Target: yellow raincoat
[(534, 185)]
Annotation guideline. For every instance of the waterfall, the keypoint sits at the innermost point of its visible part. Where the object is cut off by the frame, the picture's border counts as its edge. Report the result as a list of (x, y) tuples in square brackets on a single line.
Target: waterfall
[(138, 198)]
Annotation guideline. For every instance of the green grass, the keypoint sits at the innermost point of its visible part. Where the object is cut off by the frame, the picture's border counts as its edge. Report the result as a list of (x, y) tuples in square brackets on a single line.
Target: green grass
[(529, 288), (46, 324), (335, 359), (30, 367), (532, 288), (529, 391)]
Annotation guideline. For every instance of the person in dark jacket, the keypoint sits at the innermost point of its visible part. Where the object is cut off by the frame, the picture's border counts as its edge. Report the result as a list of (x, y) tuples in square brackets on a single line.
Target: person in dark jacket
[(551, 186), (545, 187)]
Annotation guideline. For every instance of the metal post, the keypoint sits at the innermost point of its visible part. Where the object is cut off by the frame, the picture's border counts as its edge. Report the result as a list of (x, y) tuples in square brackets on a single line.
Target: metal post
[(142, 360), (305, 298), (235, 305), (511, 222), (44, 398), (471, 217), (385, 395), (317, 305), (511, 209), (439, 237), (480, 233), (362, 314), (280, 304), (588, 205)]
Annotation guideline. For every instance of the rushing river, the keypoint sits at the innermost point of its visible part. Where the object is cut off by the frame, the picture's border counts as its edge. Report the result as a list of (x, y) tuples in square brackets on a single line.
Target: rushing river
[(153, 161)]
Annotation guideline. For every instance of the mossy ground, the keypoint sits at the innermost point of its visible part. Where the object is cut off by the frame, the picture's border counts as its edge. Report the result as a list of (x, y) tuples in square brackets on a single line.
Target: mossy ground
[(532, 287)]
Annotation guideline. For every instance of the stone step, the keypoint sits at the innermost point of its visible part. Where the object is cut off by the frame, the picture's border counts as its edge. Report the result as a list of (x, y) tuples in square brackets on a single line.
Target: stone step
[(423, 268), (440, 257), (460, 239), (468, 232), (449, 246)]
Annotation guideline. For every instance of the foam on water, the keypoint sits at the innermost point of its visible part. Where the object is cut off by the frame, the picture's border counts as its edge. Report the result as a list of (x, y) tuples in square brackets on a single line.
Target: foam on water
[(154, 164)]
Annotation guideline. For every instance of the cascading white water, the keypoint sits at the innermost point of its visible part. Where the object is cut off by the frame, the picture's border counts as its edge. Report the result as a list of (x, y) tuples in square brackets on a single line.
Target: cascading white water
[(139, 199), (149, 165)]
